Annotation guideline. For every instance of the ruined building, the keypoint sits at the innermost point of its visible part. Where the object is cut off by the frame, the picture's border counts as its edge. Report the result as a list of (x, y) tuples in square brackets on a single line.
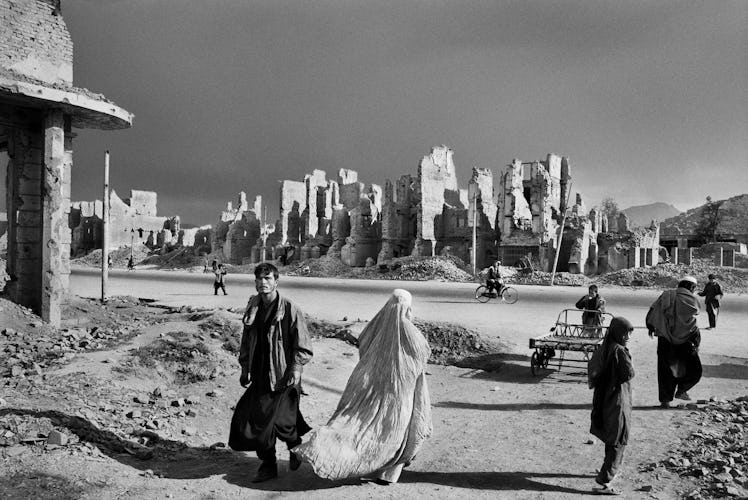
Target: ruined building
[(132, 221), (39, 108), (242, 233), (518, 215)]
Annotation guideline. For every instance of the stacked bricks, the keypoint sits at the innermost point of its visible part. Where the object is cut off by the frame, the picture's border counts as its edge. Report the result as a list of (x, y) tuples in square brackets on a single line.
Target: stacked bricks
[(35, 42)]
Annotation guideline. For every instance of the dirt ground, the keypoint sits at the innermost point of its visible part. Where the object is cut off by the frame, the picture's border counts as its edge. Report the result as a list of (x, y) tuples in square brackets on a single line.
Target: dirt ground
[(144, 402)]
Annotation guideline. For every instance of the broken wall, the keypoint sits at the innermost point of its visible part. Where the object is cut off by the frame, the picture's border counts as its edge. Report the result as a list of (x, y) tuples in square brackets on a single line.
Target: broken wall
[(35, 42)]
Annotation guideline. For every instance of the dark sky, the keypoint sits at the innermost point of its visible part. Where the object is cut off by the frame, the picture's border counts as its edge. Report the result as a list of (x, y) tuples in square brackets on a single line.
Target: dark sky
[(648, 99)]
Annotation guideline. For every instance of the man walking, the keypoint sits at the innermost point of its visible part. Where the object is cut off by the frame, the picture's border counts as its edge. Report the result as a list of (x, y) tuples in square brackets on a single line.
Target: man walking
[(712, 294), (274, 348), (218, 283), (672, 318)]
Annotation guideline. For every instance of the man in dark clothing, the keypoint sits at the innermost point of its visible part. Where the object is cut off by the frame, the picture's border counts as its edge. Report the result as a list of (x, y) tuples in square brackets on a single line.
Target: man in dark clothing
[(218, 283), (611, 401), (593, 306), (712, 294), (672, 318), (274, 348), (493, 279)]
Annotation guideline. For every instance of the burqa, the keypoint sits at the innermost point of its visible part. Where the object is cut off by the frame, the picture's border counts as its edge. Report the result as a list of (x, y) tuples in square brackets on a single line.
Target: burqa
[(611, 401), (384, 414)]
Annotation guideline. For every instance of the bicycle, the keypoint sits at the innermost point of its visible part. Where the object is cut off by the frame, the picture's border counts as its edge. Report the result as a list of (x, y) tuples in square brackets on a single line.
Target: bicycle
[(507, 294)]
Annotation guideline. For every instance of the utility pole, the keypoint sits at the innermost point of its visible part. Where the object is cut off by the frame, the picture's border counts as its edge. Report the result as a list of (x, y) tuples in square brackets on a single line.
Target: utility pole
[(560, 236), (105, 231), (475, 229)]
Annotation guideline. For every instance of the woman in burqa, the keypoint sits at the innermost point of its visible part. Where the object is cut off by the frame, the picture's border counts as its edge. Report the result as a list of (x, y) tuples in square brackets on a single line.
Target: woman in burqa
[(611, 402), (384, 414)]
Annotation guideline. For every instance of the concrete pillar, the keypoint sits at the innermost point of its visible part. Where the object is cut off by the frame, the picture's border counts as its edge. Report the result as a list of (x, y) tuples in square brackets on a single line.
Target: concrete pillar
[(55, 241), (24, 218)]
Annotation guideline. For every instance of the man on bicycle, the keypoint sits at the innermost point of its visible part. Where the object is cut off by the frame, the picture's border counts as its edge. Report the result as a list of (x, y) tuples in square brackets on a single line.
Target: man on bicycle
[(494, 280)]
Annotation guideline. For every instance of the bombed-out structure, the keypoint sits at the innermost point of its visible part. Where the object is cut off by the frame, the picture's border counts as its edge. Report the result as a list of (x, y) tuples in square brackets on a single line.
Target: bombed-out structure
[(517, 215), (39, 108), (132, 221)]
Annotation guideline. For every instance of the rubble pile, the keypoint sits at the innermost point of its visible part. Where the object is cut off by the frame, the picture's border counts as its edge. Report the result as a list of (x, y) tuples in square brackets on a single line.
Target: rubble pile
[(186, 357), (543, 278), (120, 256), (732, 280), (447, 268), (29, 346), (223, 326), (449, 342), (715, 456), (99, 418)]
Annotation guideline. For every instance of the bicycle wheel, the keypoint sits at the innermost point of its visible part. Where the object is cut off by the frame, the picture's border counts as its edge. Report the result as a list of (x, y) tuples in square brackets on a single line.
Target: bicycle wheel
[(510, 295), (535, 363), (482, 294)]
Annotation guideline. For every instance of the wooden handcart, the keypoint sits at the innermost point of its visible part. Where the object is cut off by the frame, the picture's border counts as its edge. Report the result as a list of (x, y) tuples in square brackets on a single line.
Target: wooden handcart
[(568, 334)]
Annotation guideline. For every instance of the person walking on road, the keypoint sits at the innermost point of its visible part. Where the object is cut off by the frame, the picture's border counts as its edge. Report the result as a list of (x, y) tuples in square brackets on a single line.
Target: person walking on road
[(384, 415), (712, 294), (672, 318), (275, 346), (220, 278), (611, 401)]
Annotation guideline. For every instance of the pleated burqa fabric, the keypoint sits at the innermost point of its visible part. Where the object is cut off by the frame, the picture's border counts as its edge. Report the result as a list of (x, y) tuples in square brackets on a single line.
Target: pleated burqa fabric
[(384, 414)]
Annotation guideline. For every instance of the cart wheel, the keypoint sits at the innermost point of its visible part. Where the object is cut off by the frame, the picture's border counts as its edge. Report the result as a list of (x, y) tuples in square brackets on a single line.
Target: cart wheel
[(534, 363), (546, 357), (482, 294), (510, 295)]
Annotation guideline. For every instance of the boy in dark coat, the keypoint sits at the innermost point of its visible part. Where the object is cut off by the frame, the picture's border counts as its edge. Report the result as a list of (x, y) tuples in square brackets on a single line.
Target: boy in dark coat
[(611, 401)]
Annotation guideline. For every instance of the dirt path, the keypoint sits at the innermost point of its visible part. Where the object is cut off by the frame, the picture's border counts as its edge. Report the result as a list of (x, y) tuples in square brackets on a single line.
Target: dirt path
[(500, 434)]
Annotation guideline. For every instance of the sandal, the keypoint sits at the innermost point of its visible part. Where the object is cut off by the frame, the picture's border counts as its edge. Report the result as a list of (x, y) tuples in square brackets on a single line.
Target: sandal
[(605, 490)]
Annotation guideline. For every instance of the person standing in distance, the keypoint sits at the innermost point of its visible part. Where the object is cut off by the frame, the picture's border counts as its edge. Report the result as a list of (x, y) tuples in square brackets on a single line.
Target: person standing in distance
[(712, 294)]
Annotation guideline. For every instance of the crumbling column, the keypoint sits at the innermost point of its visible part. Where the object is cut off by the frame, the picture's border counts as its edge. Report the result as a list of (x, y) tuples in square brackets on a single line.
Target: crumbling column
[(55, 234)]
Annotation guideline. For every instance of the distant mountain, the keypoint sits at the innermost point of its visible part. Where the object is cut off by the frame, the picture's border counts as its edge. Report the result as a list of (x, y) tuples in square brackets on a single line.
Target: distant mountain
[(643, 215)]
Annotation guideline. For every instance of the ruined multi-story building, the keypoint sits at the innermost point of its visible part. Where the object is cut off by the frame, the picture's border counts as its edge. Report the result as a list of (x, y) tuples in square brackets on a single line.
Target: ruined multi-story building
[(132, 221), (242, 233), (39, 107)]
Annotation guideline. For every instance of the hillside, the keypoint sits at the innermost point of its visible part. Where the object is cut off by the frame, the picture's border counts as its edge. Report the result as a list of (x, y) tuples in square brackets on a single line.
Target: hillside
[(733, 218), (643, 215)]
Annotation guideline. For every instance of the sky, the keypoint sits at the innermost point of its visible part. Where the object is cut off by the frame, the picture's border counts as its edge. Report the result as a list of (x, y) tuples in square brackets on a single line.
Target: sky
[(648, 99)]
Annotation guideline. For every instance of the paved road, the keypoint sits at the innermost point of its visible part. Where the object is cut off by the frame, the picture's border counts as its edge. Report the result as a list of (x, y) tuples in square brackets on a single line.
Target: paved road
[(335, 299)]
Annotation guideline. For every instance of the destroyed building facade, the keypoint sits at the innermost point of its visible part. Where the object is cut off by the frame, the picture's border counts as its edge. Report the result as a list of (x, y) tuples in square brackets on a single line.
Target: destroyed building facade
[(133, 220), (517, 215), (39, 108)]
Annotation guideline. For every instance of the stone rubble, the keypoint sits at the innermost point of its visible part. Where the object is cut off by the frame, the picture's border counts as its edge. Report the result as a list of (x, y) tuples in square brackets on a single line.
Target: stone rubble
[(716, 458)]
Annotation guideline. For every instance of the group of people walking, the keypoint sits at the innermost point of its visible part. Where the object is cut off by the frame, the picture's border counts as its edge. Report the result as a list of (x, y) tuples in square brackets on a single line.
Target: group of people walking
[(672, 319), (384, 415)]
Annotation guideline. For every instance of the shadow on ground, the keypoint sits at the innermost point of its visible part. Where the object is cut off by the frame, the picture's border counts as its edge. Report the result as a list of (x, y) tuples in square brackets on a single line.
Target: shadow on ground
[(499, 481), (174, 459), (726, 370)]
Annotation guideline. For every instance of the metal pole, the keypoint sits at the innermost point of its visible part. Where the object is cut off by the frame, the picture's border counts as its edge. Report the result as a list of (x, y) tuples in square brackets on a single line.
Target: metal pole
[(105, 231), (560, 236), (475, 229)]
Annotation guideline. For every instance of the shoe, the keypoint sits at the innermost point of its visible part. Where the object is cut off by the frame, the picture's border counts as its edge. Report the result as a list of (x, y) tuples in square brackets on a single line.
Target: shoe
[(266, 471), (605, 490), (665, 404), (294, 462), (682, 395)]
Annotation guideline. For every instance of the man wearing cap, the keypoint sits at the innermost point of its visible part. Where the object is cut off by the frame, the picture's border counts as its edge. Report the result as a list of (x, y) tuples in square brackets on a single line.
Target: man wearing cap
[(712, 294), (672, 318)]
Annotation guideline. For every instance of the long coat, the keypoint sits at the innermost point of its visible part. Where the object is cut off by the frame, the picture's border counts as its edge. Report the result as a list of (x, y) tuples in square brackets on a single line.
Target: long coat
[(611, 401)]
